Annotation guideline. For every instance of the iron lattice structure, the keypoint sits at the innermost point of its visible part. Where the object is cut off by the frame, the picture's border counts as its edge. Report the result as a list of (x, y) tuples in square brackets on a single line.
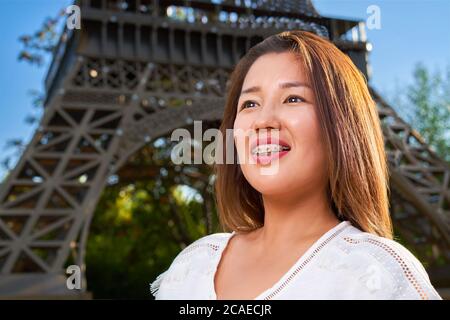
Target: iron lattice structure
[(139, 69)]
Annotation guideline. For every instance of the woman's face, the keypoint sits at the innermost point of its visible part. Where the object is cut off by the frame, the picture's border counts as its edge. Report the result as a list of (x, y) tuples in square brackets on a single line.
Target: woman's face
[(282, 151)]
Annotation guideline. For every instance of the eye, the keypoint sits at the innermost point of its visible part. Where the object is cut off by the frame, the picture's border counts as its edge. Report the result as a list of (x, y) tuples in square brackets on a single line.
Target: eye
[(245, 104), (296, 97)]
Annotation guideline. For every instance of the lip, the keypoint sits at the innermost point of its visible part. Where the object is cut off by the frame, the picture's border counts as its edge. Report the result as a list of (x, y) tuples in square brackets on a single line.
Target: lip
[(264, 160)]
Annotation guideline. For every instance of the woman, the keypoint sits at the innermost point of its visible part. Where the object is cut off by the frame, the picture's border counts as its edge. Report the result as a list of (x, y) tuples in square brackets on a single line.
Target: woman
[(315, 224)]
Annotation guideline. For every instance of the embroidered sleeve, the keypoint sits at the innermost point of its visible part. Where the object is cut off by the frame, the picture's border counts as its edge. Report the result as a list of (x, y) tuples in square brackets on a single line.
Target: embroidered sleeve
[(415, 277), (410, 279), (192, 259)]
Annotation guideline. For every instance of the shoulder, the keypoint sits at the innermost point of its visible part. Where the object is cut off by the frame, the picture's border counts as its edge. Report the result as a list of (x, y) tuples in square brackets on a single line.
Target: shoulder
[(387, 261), (196, 259), (207, 245)]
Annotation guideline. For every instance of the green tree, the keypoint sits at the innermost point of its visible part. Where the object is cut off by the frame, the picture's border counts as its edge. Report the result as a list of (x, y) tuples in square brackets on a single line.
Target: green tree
[(425, 103), (37, 49), (140, 225)]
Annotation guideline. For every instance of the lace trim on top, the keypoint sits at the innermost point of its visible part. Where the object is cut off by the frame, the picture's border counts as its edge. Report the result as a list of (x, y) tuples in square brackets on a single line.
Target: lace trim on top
[(406, 270), (184, 255), (307, 260)]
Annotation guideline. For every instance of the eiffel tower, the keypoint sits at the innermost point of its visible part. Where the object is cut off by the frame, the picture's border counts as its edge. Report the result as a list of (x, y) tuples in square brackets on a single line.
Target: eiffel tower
[(135, 71)]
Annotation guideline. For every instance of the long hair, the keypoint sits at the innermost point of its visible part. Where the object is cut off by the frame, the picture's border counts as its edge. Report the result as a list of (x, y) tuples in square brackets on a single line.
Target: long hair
[(358, 173)]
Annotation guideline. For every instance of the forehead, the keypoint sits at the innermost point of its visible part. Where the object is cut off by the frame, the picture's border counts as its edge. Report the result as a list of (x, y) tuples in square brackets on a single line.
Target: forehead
[(272, 67)]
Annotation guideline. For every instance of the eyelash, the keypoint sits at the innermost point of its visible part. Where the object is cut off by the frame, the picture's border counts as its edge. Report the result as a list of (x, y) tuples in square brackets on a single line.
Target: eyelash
[(243, 105)]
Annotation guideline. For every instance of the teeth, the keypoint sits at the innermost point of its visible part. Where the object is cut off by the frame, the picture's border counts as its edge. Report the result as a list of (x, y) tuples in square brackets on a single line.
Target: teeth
[(268, 148)]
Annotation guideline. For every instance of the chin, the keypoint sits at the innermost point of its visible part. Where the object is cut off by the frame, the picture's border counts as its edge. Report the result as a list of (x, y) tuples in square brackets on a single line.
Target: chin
[(270, 184)]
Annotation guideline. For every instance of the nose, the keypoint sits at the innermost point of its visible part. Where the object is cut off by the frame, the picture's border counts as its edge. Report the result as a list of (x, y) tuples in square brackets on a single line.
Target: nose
[(267, 119)]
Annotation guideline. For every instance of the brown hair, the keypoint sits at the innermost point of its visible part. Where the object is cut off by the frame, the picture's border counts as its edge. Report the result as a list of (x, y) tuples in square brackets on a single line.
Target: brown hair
[(356, 161)]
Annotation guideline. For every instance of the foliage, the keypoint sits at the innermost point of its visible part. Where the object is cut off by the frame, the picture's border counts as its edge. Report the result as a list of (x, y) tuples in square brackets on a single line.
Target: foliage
[(139, 227), (36, 49), (39, 45), (425, 103)]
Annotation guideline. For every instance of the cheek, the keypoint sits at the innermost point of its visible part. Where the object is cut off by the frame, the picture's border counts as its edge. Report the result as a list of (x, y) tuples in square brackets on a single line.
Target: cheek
[(304, 129), (308, 161), (242, 122), (240, 127)]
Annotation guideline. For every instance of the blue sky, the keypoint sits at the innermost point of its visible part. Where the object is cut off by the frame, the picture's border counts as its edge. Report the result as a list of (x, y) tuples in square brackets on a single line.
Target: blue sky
[(411, 31)]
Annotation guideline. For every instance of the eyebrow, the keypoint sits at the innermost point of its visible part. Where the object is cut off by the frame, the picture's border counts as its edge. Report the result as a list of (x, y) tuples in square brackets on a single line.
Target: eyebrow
[(283, 85)]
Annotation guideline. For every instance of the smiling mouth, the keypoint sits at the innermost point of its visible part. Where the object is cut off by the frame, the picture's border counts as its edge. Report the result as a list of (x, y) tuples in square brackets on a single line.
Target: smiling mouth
[(264, 151)]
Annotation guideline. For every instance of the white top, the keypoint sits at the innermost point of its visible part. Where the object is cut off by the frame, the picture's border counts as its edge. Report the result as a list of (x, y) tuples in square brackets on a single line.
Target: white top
[(345, 263)]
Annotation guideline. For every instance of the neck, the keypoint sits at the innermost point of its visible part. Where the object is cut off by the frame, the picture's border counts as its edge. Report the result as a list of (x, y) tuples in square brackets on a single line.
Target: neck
[(296, 219)]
